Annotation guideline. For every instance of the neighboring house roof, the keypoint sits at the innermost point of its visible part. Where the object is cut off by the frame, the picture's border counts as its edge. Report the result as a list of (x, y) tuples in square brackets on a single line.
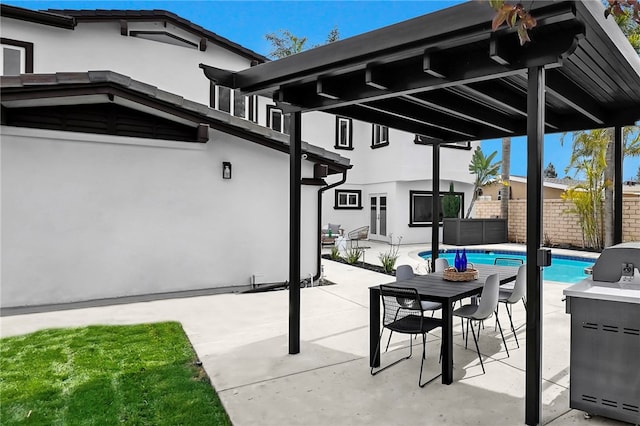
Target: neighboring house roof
[(68, 18), (558, 183), (107, 87), (565, 183)]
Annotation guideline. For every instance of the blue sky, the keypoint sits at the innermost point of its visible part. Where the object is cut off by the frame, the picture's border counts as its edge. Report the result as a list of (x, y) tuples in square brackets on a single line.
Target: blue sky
[(246, 23)]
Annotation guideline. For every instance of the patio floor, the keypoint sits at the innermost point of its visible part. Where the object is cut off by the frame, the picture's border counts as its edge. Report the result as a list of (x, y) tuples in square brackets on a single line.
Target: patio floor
[(242, 340)]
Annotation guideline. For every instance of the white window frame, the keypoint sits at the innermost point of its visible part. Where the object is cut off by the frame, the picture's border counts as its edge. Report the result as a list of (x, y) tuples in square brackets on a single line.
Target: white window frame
[(348, 199), (23, 57), (344, 132), (275, 114), (380, 136), (233, 95)]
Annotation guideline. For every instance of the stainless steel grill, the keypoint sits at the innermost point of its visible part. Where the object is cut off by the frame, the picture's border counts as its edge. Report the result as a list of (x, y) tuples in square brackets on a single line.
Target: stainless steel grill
[(605, 336)]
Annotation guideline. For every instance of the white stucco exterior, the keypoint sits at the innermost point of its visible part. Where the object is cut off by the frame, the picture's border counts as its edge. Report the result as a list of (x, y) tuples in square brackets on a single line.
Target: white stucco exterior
[(99, 46), (90, 217), (391, 171)]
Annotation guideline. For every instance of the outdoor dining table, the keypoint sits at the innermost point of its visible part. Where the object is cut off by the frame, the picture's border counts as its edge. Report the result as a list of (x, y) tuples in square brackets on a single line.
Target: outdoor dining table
[(435, 288)]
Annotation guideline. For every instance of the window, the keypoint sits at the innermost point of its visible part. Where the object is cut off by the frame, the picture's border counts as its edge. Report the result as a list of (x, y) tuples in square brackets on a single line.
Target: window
[(277, 120), (16, 56), (380, 136), (420, 208), (232, 101), (348, 199), (344, 134), (421, 140)]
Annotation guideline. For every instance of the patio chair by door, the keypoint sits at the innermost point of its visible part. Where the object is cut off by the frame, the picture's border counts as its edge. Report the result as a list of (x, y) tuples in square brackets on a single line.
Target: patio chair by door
[(357, 235), (406, 318)]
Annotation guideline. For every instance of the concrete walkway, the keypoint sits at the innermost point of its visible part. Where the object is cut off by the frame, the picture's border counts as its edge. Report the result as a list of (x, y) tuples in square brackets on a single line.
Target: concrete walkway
[(242, 340)]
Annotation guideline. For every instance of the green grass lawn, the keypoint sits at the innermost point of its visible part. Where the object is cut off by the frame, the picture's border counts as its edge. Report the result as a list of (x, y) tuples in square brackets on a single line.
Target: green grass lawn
[(106, 375)]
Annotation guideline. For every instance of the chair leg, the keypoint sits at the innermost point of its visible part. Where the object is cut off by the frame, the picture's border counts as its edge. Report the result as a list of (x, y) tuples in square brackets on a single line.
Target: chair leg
[(477, 347), (466, 340), (373, 373), (388, 341), (502, 334), (495, 325), (513, 329), (391, 332), (424, 351)]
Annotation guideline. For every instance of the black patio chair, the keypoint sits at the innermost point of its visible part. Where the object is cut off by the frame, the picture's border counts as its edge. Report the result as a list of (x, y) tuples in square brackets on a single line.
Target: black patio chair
[(403, 313), (405, 272)]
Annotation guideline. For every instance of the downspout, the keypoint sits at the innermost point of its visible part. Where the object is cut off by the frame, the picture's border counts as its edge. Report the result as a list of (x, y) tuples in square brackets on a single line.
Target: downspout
[(319, 230)]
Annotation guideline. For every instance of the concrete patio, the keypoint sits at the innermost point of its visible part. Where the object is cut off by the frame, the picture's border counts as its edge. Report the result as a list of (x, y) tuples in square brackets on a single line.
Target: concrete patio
[(242, 339)]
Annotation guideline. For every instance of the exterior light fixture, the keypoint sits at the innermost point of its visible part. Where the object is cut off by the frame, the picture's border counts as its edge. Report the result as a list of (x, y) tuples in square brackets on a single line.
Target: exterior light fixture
[(226, 170)]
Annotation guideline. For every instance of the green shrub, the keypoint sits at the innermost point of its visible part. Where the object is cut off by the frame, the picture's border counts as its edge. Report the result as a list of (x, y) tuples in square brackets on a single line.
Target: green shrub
[(388, 258), (450, 203), (353, 254), (335, 253)]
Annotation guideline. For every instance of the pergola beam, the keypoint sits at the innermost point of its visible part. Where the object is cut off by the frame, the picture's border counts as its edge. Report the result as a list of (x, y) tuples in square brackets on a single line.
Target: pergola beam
[(376, 116), (565, 90), (454, 105)]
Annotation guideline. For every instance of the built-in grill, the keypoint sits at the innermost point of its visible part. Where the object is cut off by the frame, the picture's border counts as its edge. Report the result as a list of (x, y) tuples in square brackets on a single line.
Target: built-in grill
[(605, 336)]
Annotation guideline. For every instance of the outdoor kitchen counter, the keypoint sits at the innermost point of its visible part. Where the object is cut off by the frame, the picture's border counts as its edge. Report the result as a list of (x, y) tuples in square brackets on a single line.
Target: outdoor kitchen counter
[(628, 292)]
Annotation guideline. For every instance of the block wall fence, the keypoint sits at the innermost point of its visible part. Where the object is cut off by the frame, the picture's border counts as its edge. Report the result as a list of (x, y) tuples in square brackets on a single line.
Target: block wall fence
[(559, 226)]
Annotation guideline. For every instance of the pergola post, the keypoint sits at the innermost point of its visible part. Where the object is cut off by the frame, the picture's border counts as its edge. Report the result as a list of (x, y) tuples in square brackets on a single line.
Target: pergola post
[(295, 176), (435, 205), (617, 184), (535, 144)]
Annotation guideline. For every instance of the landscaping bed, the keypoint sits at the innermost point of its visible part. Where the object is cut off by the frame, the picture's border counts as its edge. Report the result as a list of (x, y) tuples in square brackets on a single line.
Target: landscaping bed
[(363, 265)]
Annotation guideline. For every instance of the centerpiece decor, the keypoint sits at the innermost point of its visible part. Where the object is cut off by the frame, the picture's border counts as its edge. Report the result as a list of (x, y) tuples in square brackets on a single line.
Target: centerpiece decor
[(452, 274)]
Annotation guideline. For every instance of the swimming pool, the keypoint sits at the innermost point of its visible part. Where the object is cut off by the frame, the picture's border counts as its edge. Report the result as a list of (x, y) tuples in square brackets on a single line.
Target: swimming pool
[(567, 269)]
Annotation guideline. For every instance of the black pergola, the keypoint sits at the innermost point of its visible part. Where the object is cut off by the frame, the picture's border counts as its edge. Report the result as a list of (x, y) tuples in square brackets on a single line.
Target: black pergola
[(447, 77)]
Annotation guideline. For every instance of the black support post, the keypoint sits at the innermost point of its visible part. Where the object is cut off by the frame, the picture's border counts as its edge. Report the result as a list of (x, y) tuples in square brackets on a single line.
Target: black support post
[(535, 144), (435, 205), (295, 173), (617, 185)]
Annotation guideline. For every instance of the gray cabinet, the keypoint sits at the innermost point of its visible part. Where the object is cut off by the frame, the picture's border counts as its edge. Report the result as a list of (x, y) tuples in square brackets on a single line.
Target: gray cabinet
[(461, 232)]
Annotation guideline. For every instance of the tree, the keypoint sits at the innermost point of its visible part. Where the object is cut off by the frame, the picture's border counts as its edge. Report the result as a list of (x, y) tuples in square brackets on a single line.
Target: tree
[(592, 158), (485, 171), (630, 28), (550, 171), (450, 203), (506, 171), (284, 43), (589, 159), (515, 15), (638, 175)]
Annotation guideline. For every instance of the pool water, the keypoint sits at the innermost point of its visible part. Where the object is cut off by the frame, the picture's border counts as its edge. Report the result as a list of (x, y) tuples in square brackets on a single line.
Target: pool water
[(567, 269)]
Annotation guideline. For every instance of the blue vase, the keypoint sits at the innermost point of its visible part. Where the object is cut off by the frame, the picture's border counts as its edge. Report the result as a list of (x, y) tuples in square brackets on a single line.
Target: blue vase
[(463, 260), (456, 261)]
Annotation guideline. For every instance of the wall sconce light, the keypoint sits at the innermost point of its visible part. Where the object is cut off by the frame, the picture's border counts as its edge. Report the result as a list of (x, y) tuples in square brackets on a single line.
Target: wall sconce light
[(226, 170)]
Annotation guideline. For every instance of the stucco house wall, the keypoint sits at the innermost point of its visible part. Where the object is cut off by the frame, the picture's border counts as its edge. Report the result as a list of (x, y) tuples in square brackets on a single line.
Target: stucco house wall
[(90, 217), (392, 171), (99, 46)]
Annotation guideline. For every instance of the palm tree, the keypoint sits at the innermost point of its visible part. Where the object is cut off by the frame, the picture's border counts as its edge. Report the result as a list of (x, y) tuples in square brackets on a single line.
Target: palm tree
[(506, 170), (485, 170)]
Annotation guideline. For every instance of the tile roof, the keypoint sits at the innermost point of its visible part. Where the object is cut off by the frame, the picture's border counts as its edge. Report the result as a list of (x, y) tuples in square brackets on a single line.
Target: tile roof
[(33, 86)]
